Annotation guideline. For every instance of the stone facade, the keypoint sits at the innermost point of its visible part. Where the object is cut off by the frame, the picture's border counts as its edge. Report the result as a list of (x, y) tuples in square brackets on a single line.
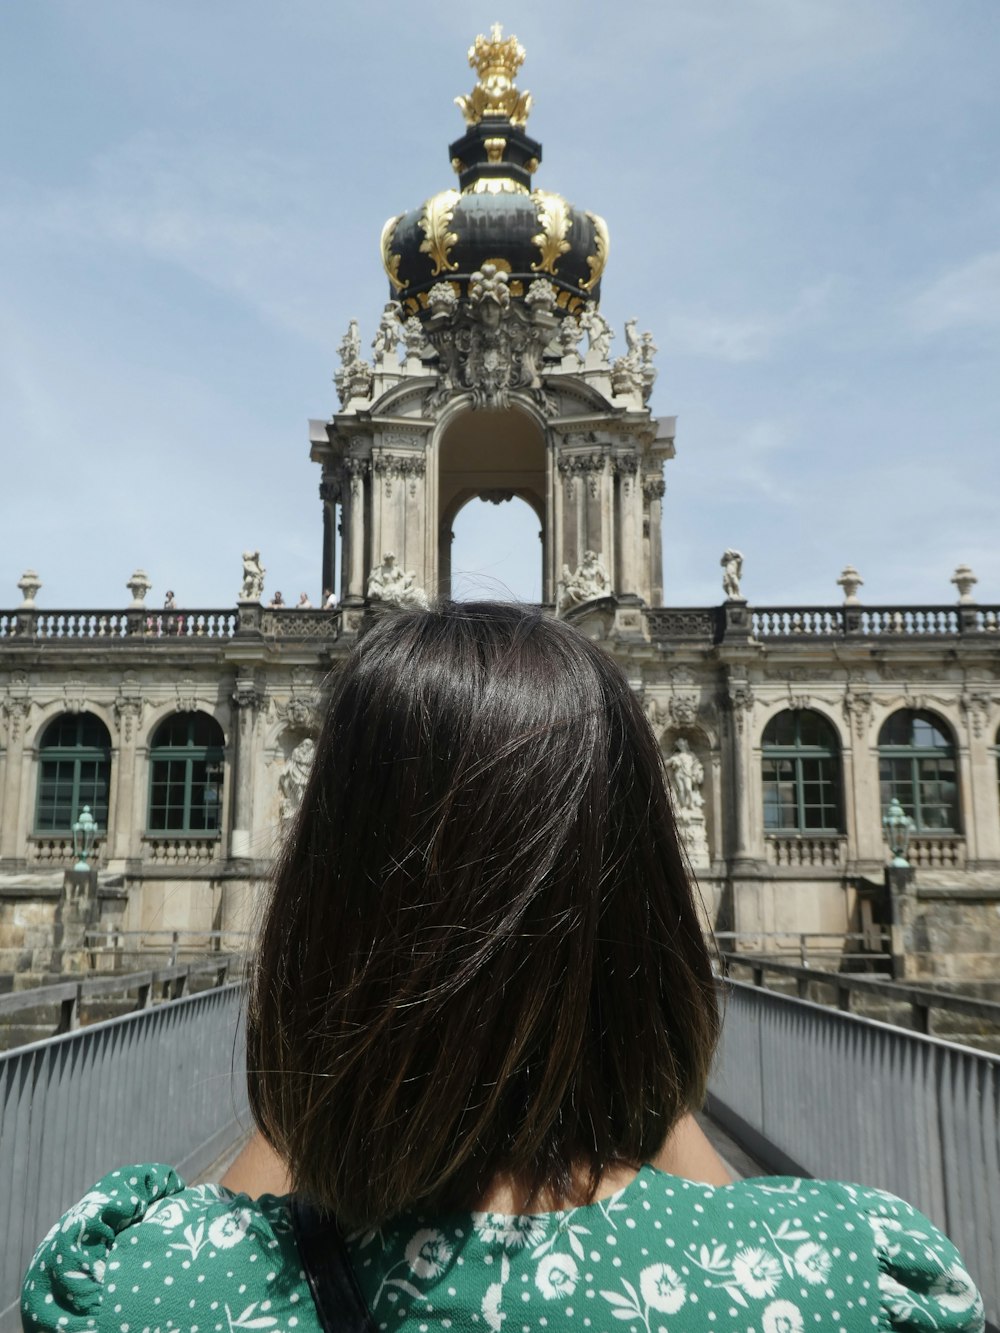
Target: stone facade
[(492, 377)]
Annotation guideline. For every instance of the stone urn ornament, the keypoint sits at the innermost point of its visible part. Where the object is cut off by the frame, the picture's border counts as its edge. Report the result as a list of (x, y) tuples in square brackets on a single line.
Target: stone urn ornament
[(139, 586), (964, 580), (29, 583), (850, 580)]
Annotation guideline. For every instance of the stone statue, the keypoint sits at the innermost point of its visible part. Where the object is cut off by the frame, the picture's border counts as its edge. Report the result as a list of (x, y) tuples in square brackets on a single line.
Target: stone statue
[(590, 583), (634, 372), (388, 583), (570, 333), (294, 776), (647, 371), (686, 774), (388, 333), (354, 378), (732, 572), (253, 577), (598, 331), (632, 341)]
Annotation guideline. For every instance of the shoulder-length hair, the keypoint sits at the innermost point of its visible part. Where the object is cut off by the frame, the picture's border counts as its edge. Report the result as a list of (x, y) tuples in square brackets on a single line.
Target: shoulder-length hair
[(481, 957)]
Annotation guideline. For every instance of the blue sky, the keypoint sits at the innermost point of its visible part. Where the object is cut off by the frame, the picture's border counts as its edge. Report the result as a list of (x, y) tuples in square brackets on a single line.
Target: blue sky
[(804, 207)]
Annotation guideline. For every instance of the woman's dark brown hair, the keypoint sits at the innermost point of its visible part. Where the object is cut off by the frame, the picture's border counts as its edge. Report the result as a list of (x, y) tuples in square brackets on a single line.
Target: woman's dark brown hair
[(481, 956)]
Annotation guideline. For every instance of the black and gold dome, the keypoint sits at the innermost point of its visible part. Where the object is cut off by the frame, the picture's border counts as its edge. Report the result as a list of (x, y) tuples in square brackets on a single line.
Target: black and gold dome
[(495, 217)]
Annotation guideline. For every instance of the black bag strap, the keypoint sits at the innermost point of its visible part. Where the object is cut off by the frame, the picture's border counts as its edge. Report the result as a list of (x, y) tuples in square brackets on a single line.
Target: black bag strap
[(335, 1291)]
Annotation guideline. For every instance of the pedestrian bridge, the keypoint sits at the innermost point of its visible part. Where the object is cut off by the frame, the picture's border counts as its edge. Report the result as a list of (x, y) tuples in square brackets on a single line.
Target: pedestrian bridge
[(806, 1089)]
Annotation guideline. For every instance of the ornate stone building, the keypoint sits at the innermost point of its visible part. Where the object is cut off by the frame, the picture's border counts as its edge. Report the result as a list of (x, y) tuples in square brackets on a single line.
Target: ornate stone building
[(786, 730)]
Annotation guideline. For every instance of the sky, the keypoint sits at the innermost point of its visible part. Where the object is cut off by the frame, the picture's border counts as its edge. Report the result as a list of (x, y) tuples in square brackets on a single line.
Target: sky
[(804, 205)]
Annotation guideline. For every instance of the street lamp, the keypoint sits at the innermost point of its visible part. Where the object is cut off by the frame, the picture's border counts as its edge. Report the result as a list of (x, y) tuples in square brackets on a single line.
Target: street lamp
[(897, 826), (84, 833)]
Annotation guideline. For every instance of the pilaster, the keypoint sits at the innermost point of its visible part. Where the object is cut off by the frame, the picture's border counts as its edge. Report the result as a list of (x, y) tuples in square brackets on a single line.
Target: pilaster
[(248, 698)]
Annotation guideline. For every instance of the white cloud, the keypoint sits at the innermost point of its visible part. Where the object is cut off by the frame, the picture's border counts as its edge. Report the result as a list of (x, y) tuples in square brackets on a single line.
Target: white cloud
[(699, 331), (967, 297)]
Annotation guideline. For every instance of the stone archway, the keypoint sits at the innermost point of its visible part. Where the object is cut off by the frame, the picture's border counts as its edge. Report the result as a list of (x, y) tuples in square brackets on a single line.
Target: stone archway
[(493, 456)]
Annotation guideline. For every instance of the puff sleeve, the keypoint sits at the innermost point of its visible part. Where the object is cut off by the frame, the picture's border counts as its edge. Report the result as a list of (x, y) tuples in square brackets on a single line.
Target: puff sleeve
[(65, 1283), (922, 1280)]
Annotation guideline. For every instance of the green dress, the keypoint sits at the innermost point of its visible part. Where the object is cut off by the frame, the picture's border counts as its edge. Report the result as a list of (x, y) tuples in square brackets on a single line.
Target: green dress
[(142, 1253)]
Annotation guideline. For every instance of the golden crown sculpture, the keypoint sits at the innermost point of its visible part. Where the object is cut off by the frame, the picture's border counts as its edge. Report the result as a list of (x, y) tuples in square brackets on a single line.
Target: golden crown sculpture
[(496, 61)]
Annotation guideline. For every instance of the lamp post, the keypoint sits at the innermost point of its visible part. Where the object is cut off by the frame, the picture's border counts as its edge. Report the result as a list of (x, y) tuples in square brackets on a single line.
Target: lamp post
[(897, 826), (84, 833)]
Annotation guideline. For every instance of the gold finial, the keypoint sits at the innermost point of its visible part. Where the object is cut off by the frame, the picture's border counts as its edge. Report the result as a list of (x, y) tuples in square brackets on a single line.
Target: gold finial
[(496, 60)]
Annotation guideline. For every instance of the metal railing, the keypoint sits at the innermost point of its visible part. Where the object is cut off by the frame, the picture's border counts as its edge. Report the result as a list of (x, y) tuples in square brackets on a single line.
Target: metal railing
[(162, 1085), (812, 1091), (65, 998), (868, 946), (117, 944), (847, 988)]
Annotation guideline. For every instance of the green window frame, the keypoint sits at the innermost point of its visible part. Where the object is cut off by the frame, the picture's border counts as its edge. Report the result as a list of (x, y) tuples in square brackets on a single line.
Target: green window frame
[(801, 774), (917, 766), (186, 776), (74, 770)]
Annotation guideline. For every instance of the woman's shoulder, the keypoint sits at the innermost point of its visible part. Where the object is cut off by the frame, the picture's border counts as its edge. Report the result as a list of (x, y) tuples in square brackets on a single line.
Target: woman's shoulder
[(856, 1245), (141, 1238)]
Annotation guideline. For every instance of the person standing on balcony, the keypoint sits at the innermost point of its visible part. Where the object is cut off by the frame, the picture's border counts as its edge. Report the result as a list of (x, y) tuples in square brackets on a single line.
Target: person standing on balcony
[(481, 1015)]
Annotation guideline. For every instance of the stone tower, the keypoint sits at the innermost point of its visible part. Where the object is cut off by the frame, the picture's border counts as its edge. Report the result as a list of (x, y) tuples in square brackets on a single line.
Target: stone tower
[(491, 377)]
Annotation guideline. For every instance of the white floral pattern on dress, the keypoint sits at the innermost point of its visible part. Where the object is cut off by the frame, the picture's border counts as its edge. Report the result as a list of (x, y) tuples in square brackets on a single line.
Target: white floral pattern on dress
[(427, 1254), (556, 1275)]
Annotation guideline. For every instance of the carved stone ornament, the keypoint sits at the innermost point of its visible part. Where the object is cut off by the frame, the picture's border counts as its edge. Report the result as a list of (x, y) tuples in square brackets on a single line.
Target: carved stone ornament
[(964, 580), (684, 709), (247, 694), (301, 714), (685, 774), (15, 707), (490, 345), (388, 583), (29, 583), (589, 583), (599, 334), (252, 587), (75, 696), (850, 580), (587, 466), (858, 709), (740, 698), (294, 777), (187, 696), (653, 488), (139, 586), (128, 707), (976, 706), (391, 467)]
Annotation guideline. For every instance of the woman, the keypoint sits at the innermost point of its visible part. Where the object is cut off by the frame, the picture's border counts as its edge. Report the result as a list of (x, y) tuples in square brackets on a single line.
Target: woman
[(481, 1014)]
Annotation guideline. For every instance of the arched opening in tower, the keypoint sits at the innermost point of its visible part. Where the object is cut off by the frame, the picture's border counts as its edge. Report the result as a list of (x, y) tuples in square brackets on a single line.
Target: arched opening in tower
[(496, 553), (499, 458)]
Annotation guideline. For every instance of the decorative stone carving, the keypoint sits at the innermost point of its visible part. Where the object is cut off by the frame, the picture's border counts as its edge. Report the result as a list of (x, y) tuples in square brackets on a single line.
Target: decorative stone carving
[(590, 583), (732, 572), (570, 334), (599, 334), (683, 709), (588, 466), (635, 372), (388, 583), (976, 707), (128, 707), (496, 497), (75, 696), (387, 335), (685, 774), (139, 586), (294, 777), (653, 488), (29, 583), (301, 714), (252, 588), (414, 340), (249, 697), (964, 580), (187, 696), (850, 580), (541, 295), (354, 378), (16, 705), (490, 344), (393, 466), (739, 696), (330, 489), (858, 709)]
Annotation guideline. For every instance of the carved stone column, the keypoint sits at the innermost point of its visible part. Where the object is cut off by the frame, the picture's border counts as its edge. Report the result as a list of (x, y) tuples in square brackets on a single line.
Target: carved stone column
[(863, 813), (652, 495), (628, 573), (353, 521), (14, 710), (979, 797), (740, 701), (248, 698), (398, 509), (329, 493), (124, 838)]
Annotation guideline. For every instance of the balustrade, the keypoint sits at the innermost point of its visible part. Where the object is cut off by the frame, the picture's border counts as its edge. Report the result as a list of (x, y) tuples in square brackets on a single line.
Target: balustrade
[(57, 850), (683, 623), (804, 850), (941, 852), (181, 849)]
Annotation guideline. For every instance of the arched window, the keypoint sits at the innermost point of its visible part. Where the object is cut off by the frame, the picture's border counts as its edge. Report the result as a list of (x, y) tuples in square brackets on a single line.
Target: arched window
[(801, 770), (185, 785), (74, 770), (916, 760)]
